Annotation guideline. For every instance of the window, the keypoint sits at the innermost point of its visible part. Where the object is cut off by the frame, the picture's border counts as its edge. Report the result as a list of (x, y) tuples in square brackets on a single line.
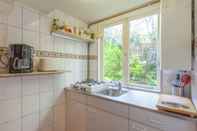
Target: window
[(113, 53), (143, 51), (142, 56)]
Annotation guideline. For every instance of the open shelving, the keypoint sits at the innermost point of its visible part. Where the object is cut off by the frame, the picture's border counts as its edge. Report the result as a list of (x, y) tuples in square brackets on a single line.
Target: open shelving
[(4, 75), (68, 35)]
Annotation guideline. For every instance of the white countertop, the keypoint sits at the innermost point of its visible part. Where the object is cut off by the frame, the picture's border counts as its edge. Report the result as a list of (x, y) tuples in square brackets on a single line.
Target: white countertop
[(141, 99)]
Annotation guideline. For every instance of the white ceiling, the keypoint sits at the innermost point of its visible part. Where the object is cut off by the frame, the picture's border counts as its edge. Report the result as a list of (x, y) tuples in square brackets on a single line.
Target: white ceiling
[(86, 10)]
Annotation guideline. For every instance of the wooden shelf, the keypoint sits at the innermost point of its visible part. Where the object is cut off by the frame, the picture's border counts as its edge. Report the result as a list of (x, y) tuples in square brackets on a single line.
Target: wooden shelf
[(71, 36), (4, 75)]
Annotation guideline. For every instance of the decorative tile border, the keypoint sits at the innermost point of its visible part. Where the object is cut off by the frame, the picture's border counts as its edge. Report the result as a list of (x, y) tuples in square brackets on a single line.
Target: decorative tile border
[(3, 50), (41, 53), (195, 41)]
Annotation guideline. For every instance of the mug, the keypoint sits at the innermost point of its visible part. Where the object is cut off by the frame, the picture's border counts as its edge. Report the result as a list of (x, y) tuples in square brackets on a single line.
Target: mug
[(4, 63)]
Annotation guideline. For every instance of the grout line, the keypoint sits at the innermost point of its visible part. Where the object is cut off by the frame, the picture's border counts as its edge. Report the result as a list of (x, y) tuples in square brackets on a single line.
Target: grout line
[(21, 82), (22, 31), (39, 109), (53, 104), (5, 122)]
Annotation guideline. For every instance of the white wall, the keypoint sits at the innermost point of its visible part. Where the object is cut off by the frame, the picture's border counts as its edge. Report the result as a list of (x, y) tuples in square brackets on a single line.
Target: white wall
[(194, 81), (37, 103)]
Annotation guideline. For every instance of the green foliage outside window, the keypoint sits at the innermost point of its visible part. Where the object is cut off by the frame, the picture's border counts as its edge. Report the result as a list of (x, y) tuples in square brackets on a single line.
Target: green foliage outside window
[(143, 52), (140, 72), (112, 61)]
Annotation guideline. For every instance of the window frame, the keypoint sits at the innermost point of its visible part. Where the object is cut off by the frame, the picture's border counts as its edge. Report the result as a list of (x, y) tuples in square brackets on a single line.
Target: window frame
[(125, 20), (108, 26), (143, 86)]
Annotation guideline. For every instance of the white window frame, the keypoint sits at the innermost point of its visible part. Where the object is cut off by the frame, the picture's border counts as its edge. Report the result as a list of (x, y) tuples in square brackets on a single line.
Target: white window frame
[(141, 86), (124, 20)]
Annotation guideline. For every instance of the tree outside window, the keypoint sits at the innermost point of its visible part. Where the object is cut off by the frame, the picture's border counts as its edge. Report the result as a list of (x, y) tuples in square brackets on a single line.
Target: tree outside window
[(143, 52)]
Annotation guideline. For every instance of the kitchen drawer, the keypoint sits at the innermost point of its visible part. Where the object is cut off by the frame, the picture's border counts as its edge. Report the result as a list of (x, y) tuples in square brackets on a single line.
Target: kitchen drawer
[(78, 97), (136, 126), (109, 106), (160, 121), (99, 120)]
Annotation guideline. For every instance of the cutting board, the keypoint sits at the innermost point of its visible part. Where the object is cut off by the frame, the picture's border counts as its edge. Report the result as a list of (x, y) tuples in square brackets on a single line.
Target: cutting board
[(177, 104)]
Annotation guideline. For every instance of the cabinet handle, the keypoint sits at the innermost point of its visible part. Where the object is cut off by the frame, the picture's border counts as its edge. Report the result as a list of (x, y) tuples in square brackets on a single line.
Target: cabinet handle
[(92, 111), (138, 127), (155, 122)]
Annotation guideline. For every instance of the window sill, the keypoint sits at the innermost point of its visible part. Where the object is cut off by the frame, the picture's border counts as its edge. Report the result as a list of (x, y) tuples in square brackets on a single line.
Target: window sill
[(142, 88)]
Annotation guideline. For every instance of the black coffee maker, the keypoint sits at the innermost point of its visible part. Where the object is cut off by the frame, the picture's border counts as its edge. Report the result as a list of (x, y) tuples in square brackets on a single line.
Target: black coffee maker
[(21, 58)]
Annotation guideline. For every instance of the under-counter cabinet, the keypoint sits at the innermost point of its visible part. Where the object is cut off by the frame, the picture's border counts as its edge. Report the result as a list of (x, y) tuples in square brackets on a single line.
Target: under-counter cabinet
[(103, 121), (104, 115), (176, 34), (91, 113), (77, 113), (77, 117), (159, 122)]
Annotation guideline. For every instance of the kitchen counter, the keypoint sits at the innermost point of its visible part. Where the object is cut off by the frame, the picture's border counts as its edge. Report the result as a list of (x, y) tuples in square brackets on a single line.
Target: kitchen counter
[(140, 99)]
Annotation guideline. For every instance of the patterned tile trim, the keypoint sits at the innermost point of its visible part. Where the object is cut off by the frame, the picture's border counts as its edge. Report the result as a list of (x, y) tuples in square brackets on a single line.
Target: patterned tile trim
[(41, 53)]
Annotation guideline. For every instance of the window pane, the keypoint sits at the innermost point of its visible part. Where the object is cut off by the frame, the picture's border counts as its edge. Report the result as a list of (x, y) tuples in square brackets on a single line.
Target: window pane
[(113, 53), (143, 51)]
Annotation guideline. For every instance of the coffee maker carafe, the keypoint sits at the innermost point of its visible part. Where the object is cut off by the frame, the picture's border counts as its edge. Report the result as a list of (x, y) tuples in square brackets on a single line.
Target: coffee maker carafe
[(21, 58)]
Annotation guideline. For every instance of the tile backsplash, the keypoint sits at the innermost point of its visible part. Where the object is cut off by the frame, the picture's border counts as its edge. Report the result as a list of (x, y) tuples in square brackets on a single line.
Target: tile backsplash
[(37, 103)]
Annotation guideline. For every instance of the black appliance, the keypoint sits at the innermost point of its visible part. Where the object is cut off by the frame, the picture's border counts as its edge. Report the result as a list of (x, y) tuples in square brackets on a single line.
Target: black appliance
[(21, 58)]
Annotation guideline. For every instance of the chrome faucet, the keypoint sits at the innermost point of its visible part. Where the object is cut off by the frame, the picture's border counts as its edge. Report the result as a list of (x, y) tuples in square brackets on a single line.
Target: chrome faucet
[(119, 86)]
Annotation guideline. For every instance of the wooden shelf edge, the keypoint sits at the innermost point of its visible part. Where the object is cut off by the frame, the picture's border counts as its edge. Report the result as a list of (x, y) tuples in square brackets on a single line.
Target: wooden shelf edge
[(71, 36), (4, 75)]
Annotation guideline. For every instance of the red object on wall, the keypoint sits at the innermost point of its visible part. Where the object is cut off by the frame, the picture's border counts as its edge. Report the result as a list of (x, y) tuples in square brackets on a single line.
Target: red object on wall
[(185, 79)]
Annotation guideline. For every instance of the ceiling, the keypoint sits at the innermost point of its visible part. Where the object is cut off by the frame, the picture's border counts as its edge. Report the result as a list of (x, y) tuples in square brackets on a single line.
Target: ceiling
[(87, 10)]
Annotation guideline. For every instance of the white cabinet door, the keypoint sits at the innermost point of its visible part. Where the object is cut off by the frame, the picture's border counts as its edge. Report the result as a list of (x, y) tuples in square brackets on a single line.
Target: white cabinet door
[(102, 121), (176, 34), (159, 121), (77, 117), (135, 126)]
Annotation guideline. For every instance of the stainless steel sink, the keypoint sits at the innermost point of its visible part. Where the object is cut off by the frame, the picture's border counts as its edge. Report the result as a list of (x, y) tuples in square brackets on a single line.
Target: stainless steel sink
[(113, 92)]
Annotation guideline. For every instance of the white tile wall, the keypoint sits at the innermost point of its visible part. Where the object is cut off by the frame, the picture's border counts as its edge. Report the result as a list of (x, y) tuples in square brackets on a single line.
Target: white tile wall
[(31, 38), (45, 24), (10, 88), (59, 44), (3, 34), (46, 83), (15, 35), (37, 103), (46, 100), (30, 122), (46, 120), (30, 104), (3, 19), (69, 46), (15, 17), (168, 77), (10, 110), (30, 85), (46, 42), (93, 68), (30, 19), (11, 126)]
